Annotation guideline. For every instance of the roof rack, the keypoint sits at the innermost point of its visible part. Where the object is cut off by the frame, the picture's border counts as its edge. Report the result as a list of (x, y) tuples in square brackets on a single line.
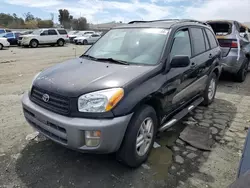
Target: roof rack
[(177, 20)]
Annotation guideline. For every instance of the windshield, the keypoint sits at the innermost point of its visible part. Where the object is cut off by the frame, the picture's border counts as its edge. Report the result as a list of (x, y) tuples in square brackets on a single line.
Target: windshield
[(37, 32), (133, 45)]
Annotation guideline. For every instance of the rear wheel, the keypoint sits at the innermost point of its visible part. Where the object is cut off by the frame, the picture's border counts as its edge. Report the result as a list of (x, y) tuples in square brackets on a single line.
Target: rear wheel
[(241, 75), (60, 42), (34, 43), (210, 90), (1, 46), (139, 137)]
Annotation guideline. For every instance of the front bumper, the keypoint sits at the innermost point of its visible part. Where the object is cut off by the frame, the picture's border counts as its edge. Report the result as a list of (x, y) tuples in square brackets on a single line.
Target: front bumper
[(70, 131)]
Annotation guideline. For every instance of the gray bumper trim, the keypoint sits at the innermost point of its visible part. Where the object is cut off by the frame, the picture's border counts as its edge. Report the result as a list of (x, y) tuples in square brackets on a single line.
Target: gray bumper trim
[(70, 131)]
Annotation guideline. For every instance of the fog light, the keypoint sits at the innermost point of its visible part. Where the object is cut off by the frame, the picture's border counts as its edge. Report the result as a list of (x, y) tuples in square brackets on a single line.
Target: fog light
[(92, 138)]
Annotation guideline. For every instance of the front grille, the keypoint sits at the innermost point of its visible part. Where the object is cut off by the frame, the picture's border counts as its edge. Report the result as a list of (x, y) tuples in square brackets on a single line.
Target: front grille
[(56, 103)]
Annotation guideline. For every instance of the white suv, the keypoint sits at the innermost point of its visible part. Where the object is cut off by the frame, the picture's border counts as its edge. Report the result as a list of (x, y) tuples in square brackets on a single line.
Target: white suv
[(45, 36)]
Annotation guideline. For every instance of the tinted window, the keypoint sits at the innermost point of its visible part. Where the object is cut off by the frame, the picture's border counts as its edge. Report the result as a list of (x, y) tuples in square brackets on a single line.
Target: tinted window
[(206, 41), (198, 41), (45, 32), (88, 32), (2, 31), (9, 35), (211, 38), (17, 35), (94, 35), (181, 45), (52, 32), (62, 32)]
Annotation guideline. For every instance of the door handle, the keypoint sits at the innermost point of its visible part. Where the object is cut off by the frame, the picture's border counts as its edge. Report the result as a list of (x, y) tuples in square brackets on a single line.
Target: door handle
[(210, 56)]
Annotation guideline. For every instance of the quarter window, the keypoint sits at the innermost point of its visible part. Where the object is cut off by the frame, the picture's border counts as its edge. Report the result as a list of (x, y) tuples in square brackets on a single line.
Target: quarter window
[(62, 32), (198, 41), (9, 35), (211, 37), (181, 44)]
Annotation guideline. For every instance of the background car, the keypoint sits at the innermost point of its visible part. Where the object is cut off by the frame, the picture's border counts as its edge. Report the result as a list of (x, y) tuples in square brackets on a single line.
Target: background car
[(45, 37), (4, 43), (4, 30), (12, 37), (21, 36), (87, 39), (79, 34), (233, 40)]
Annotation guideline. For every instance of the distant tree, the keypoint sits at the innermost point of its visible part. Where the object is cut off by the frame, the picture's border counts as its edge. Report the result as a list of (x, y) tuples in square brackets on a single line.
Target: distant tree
[(11, 21), (32, 24), (45, 24), (28, 17), (64, 18), (80, 24)]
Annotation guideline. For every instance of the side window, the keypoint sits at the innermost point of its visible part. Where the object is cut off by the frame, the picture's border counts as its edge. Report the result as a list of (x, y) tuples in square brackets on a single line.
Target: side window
[(198, 41), (9, 35), (181, 44), (95, 35), (206, 40), (52, 32), (62, 32), (211, 38), (7, 30), (45, 32)]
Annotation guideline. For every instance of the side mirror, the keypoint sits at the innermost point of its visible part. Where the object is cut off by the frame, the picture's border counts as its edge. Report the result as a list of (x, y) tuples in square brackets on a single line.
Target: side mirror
[(180, 61)]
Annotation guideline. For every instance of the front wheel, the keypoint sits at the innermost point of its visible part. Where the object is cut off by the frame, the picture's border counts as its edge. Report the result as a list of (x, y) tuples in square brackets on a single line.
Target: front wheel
[(139, 137), (210, 90), (85, 42), (34, 43)]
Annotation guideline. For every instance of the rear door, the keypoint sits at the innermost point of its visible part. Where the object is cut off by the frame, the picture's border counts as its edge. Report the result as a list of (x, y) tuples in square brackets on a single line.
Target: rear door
[(11, 37), (53, 36), (202, 57)]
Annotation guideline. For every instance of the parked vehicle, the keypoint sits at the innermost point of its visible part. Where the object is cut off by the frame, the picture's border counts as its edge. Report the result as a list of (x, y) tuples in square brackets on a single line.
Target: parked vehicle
[(233, 39), (136, 80), (87, 39), (21, 36), (45, 37), (12, 37), (4, 43), (79, 34), (4, 30)]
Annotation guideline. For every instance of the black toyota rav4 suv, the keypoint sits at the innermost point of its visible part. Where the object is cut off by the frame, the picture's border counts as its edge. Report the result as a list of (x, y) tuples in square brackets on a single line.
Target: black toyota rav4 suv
[(137, 80)]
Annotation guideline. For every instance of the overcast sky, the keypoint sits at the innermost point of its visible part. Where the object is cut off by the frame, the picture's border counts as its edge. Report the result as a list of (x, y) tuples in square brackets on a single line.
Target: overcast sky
[(100, 11)]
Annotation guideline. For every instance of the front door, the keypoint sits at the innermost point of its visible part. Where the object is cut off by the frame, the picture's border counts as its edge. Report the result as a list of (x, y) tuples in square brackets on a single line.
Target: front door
[(52, 36), (179, 80)]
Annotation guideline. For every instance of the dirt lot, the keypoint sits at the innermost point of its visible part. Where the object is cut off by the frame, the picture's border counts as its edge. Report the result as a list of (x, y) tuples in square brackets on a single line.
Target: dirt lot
[(36, 163)]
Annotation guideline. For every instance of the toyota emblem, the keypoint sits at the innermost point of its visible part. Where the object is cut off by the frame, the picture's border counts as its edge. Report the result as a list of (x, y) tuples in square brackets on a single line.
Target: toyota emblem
[(45, 97)]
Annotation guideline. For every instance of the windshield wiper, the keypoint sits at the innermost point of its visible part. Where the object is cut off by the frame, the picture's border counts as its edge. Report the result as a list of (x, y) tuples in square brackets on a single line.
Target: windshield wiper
[(113, 60), (88, 56)]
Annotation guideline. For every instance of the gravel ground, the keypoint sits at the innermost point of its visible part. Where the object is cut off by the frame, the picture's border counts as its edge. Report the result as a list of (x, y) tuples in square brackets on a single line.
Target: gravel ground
[(38, 163)]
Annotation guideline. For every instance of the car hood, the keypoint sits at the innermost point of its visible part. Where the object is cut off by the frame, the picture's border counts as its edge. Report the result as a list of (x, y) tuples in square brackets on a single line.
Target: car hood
[(72, 35), (79, 76)]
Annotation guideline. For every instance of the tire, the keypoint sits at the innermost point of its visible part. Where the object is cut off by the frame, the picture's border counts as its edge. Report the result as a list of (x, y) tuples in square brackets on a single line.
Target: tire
[(210, 90), (1, 46), (85, 42), (242, 73), (60, 42), (34, 43), (129, 153)]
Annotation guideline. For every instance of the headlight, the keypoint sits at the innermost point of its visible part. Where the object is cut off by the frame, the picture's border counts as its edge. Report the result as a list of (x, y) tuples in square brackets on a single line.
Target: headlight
[(100, 101)]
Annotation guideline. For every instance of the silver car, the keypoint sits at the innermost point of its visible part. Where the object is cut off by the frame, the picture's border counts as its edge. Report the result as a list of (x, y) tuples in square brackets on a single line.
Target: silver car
[(234, 41), (87, 39)]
